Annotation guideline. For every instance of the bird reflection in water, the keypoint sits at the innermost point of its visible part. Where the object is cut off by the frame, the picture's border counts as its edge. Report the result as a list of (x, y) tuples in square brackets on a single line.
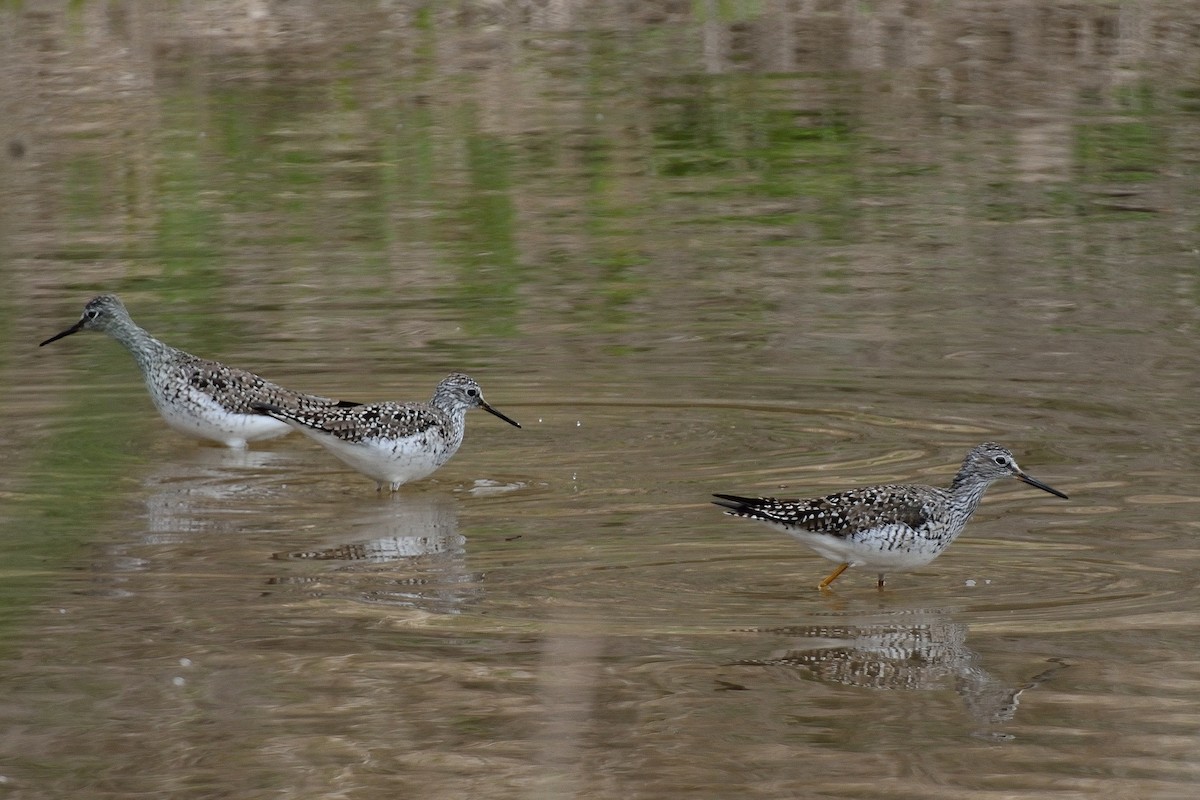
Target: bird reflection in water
[(406, 552), (913, 650), (205, 490)]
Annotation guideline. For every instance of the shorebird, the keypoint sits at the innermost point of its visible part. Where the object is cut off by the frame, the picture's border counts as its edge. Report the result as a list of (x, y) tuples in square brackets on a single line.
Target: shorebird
[(195, 396), (887, 528), (394, 443)]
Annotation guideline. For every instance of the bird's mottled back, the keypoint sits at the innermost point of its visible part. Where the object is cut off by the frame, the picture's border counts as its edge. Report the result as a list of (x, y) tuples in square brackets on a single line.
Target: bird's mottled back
[(368, 422), (235, 390), (442, 416), (844, 513)]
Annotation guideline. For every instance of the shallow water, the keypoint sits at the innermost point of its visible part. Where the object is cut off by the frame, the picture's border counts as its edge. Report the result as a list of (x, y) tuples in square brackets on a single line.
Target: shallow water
[(691, 247)]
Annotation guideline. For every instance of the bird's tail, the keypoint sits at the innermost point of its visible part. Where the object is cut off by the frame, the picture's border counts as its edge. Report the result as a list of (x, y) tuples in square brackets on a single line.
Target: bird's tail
[(765, 509), (749, 507), (740, 505), (272, 410)]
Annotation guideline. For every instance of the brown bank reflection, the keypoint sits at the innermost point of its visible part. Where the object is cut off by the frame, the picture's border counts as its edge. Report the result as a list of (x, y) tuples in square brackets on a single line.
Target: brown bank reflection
[(905, 650)]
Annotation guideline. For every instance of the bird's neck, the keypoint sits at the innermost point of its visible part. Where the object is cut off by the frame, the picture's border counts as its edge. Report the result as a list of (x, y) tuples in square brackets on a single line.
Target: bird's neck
[(146, 350), (966, 491), (455, 412)]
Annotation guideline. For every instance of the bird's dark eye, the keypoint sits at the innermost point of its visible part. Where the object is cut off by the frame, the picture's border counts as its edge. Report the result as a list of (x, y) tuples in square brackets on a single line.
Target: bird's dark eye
[(91, 313), (1001, 460), (472, 393)]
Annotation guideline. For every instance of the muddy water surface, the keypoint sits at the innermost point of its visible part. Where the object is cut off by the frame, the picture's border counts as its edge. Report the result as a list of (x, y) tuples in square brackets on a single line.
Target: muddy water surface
[(691, 248)]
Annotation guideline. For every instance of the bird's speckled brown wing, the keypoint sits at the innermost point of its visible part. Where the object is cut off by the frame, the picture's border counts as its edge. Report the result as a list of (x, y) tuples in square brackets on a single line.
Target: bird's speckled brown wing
[(238, 390), (366, 422), (839, 514)]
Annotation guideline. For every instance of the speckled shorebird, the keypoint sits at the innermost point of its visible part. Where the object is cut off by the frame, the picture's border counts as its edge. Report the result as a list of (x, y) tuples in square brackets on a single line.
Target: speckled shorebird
[(394, 443), (195, 396), (888, 528)]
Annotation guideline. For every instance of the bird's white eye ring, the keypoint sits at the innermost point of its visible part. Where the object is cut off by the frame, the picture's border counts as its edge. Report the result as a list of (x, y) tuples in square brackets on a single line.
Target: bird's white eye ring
[(1001, 460)]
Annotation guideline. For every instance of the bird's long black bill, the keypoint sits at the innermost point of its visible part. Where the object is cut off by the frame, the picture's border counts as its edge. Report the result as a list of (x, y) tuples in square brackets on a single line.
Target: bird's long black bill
[(76, 328), (1035, 482), (491, 410)]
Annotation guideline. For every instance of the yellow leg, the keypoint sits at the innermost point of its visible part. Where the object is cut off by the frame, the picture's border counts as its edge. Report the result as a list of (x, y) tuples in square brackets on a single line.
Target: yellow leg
[(833, 576)]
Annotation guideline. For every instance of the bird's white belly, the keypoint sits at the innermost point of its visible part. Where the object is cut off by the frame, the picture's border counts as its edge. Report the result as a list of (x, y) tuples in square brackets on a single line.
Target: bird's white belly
[(888, 548), (196, 414), (392, 462)]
